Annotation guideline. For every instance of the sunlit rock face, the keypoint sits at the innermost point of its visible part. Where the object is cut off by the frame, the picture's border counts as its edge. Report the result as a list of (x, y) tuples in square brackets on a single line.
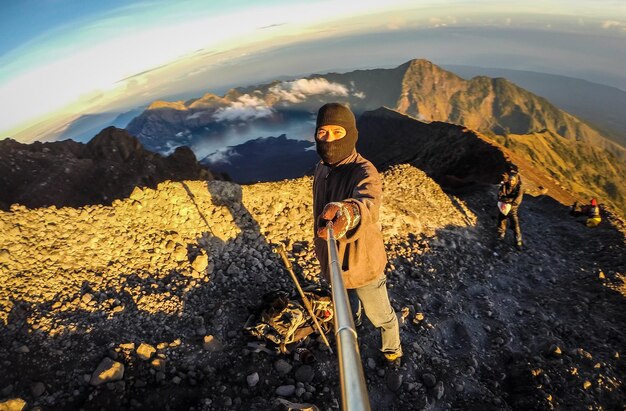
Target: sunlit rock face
[(179, 229)]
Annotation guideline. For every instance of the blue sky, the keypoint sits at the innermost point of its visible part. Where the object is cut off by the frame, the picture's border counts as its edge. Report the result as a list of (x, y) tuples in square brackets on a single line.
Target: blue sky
[(62, 57)]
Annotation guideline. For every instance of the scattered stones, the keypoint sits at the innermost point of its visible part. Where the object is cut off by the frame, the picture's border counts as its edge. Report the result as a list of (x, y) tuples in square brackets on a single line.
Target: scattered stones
[(282, 366), (286, 390), (200, 263), (159, 376), (212, 344), (419, 317), (107, 371), (13, 404), (252, 379), (22, 349), (304, 373), (37, 389), (5, 255), (439, 390), (127, 346), (233, 269), (394, 380), (179, 254), (86, 298), (145, 351), (7, 391), (429, 380)]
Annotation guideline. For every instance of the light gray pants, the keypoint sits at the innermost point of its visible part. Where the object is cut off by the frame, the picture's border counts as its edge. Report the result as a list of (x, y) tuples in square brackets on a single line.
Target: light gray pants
[(374, 300)]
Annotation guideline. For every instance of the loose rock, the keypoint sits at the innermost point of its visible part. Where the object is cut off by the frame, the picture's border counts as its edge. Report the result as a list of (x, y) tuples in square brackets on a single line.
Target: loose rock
[(429, 380), (107, 371), (286, 390), (145, 351), (212, 344), (13, 404), (252, 379), (305, 373)]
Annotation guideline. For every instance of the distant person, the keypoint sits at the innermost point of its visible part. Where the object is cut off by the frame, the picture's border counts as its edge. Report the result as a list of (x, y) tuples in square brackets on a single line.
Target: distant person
[(347, 190), (591, 211), (510, 197)]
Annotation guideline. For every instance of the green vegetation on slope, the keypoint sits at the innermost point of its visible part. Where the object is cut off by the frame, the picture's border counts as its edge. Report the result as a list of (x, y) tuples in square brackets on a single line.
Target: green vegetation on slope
[(580, 167)]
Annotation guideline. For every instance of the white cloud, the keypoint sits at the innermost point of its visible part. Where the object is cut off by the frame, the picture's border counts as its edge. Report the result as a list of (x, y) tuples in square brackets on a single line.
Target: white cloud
[(195, 115), (245, 108), (298, 90), (221, 156), (613, 24)]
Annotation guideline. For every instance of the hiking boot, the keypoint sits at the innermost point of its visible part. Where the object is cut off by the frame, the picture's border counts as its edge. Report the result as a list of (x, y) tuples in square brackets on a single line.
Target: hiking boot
[(394, 360)]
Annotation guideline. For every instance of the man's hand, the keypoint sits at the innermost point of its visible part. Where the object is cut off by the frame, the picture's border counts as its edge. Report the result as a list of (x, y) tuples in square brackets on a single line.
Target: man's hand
[(344, 215)]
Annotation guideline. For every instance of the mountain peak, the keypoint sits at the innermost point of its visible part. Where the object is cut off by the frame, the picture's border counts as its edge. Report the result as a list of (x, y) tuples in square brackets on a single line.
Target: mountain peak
[(426, 67), (161, 104), (114, 142)]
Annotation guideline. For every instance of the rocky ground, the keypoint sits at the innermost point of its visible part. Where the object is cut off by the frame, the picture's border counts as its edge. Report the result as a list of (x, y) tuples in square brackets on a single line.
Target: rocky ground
[(141, 304)]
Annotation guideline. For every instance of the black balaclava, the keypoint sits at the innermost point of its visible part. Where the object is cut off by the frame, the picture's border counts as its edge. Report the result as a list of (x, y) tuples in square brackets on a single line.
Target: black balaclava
[(338, 115)]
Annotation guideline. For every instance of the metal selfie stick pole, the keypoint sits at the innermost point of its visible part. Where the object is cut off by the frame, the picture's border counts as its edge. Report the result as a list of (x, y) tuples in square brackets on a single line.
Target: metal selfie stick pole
[(353, 389)]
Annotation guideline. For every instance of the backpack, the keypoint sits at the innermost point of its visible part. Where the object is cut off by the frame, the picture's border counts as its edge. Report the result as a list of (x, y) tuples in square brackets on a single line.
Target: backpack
[(283, 321)]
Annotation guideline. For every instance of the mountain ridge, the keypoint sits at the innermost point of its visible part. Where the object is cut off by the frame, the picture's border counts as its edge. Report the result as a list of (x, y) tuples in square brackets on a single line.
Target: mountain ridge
[(602, 106), (68, 173), (411, 88)]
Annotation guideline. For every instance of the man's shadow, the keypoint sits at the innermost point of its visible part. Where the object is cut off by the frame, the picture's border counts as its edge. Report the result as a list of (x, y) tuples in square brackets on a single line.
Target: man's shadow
[(244, 266)]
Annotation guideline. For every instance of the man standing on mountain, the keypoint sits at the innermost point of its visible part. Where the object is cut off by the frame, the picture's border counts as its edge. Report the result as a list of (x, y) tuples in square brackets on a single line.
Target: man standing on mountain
[(347, 190), (510, 197)]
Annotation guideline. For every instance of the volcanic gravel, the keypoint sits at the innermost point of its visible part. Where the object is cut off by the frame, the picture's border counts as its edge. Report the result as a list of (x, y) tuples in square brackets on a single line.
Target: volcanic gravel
[(142, 304)]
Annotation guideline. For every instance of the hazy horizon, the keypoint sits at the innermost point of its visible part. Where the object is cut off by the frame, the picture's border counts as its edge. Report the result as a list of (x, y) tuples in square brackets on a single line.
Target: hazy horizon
[(98, 59)]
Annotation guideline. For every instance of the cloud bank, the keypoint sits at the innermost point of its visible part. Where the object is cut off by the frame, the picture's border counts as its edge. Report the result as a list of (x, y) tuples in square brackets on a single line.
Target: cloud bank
[(298, 90), (246, 107)]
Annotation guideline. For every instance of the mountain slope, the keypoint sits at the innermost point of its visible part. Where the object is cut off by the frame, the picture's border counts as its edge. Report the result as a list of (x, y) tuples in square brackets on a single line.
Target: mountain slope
[(583, 169), (488, 105), (452, 155), (455, 156), (601, 106), (163, 282), (417, 88)]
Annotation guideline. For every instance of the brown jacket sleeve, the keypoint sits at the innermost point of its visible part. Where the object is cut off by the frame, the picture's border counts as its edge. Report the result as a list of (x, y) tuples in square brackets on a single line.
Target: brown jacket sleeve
[(367, 195)]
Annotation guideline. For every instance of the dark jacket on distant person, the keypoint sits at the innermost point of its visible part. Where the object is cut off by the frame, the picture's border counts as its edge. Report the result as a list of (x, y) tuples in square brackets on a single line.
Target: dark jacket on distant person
[(361, 251), (511, 194)]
